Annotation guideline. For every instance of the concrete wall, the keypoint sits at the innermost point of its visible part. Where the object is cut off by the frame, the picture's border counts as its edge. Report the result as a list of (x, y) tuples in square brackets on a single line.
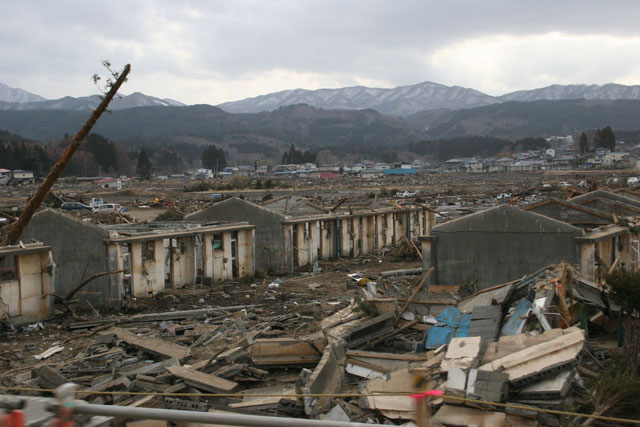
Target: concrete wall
[(269, 233), (499, 245), (78, 251), (28, 298)]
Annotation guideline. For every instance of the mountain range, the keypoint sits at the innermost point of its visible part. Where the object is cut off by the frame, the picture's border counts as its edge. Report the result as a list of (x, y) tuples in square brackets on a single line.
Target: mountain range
[(399, 101), (354, 119), (19, 99), (407, 100)]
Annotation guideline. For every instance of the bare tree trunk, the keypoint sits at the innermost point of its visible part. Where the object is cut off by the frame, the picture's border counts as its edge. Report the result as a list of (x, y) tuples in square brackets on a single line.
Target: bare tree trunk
[(14, 233)]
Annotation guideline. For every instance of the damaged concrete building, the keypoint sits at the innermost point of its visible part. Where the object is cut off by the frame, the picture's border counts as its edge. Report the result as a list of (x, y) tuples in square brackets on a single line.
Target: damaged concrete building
[(294, 232), (26, 283), (504, 243), (143, 259)]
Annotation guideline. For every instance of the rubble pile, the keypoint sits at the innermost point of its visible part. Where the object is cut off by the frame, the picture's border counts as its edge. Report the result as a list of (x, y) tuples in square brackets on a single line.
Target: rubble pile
[(516, 343)]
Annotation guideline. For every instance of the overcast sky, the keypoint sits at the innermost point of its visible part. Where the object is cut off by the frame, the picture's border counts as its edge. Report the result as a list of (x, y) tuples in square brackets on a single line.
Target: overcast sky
[(216, 51)]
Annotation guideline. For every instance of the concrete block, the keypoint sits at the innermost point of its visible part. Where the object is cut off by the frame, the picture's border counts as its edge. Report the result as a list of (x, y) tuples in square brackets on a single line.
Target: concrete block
[(456, 380), (337, 413), (555, 387), (462, 352), (486, 385), (486, 312)]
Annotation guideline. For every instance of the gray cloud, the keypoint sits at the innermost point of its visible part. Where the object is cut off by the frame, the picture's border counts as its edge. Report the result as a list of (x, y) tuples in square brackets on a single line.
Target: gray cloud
[(208, 49)]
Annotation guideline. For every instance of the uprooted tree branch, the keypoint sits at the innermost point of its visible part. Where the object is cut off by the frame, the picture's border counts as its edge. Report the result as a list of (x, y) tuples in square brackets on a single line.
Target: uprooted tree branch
[(16, 229)]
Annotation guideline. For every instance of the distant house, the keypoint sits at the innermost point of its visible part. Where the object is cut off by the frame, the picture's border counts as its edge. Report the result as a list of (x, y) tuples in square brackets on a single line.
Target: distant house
[(21, 174), (108, 183), (526, 166), (329, 175), (616, 160), (461, 163), (400, 171), (371, 173)]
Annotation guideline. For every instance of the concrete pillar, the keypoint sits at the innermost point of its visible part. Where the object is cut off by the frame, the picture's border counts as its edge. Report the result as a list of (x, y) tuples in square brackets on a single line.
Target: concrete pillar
[(137, 279), (431, 222), (314, 240), (158, 267), (388, 230), (365, 241), (207, 254), (227, 261), (245, 253), (301, 246), (345, 238), (357, 236), (113, 295), (587, 260), (371, 234)]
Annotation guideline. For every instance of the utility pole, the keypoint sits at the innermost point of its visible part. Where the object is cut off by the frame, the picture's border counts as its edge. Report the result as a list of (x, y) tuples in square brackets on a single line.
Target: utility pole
[(16, 229)]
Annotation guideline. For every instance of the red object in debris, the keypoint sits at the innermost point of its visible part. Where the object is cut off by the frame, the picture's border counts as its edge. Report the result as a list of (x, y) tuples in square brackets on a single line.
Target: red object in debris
[(12, 419), (65, 420), (427, 393)]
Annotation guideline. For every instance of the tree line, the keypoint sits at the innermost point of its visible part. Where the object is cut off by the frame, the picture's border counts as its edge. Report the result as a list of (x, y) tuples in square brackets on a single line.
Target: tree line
[(295, 157), (604, 138)]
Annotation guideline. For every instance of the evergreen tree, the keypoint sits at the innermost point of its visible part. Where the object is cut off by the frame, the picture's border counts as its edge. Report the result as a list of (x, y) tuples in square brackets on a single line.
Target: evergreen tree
[(608, 138), (213, 158), (103, 150), (597, 139), (296, 157), (582, 144), (144, 168)]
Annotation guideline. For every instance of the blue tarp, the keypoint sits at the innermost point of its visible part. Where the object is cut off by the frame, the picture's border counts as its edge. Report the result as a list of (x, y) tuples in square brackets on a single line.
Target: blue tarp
[(452, 323)]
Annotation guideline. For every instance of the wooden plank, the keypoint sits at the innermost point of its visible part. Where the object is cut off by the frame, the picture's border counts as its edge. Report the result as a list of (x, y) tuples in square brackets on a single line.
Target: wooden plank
[(450, 301), (368, 365), (287, 351), (414, 326), (415, 357), (152, 345), (203, 381)]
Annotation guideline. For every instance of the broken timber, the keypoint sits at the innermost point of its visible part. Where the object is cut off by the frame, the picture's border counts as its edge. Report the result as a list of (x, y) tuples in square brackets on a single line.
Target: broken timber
[(415, 292), (287, 351), (203, 381), (152, 345)]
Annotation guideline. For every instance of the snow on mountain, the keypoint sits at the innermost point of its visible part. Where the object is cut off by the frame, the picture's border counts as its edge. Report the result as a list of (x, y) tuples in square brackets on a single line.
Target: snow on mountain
[(398, 101), (558, 92), (136, 99), (11, 94)]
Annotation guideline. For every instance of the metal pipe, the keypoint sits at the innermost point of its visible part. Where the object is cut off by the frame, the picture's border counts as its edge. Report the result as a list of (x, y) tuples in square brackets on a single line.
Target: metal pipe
[(204, 417)]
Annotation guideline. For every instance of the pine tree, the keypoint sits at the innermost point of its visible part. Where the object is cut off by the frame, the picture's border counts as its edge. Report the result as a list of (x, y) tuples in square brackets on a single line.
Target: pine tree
[(144, 168), (582, 144), (608, 138), (213, 158)]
